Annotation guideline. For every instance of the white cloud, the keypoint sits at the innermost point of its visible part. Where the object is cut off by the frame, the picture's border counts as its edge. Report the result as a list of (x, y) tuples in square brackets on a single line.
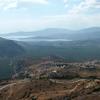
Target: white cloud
[(66, 3), (77, 21), (92, 3), (7, 4), (10, 5), (84, 6), (35, 1), (57, 21)]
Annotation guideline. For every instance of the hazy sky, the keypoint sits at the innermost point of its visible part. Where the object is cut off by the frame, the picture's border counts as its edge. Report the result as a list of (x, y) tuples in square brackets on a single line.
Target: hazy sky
[(28, 15)]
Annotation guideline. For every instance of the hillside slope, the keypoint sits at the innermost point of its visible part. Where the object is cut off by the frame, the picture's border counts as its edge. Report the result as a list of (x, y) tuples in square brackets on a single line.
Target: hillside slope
[(9, 48)]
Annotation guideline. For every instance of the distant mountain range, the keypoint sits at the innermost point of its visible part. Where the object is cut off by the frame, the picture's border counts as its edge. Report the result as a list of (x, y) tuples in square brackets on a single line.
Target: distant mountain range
[(72, 46), (56, 35)]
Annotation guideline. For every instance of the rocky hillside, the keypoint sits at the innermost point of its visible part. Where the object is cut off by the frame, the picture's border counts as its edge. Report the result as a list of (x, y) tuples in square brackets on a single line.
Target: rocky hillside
[(48, 79), (51, 90)]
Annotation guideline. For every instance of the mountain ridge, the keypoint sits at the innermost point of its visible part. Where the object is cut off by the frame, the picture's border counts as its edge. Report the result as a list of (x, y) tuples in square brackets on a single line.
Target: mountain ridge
[(56, 33)]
